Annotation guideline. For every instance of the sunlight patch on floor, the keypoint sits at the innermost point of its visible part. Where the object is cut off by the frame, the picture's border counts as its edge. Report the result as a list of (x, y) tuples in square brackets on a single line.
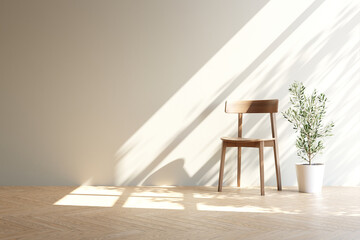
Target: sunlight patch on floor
[(91, 196), (92, 190), (244, 209), (87, 201), (154, 203), (158, 194)]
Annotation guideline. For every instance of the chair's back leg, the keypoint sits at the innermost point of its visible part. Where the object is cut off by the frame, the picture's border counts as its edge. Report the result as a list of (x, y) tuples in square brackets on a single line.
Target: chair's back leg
[(276, 150), (222, 162)]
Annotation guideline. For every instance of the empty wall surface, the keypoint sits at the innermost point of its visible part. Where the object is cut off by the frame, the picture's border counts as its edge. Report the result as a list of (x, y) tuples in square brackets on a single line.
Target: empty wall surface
[(132, 92)]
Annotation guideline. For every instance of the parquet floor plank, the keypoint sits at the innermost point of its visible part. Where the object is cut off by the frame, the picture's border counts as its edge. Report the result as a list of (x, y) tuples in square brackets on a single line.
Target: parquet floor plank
[(177, 213)]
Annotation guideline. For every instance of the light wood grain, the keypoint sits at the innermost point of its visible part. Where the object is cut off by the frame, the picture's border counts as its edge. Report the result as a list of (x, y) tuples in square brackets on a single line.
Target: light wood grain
[(261, 164), (240, 116), (252, 106), (275, 149), (203, 213), (222, 163)]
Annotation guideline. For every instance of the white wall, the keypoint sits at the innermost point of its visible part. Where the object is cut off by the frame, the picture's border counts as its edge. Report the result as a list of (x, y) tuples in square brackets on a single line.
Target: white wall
[(132, 92)]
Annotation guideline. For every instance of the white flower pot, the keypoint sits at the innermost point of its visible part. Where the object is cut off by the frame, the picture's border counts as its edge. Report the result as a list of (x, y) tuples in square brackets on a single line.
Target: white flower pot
[(310, 177)]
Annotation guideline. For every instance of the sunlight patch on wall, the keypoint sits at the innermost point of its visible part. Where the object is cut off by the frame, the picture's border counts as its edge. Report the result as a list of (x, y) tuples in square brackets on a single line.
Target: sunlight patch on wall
[(187, 125)]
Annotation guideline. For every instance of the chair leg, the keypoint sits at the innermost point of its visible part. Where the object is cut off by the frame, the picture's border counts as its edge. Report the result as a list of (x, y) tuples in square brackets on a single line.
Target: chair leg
[(261, 161), (239, 166), (277, 166), (221, 171)]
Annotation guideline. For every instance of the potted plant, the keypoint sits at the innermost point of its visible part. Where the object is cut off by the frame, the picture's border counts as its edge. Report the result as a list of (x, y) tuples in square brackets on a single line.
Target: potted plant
[(307, 114)]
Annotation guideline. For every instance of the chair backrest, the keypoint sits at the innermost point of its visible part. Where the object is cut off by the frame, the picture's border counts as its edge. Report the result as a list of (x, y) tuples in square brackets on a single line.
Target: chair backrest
[(252, 106)]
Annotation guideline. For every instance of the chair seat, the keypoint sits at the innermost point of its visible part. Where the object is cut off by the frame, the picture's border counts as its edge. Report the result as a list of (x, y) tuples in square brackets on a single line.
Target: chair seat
[(237, 139), (247, 142)]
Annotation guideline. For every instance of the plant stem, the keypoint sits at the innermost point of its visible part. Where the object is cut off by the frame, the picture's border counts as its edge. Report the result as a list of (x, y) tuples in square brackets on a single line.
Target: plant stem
[(309, 148)]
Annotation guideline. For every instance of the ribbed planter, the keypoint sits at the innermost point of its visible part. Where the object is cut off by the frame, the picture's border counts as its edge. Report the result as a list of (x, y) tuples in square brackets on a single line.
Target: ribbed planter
[(310, 177)]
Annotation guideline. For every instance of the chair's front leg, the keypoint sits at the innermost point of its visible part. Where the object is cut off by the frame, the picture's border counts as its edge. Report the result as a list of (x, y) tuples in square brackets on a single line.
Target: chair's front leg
[(261, 163), (239, 166), (277, 165), (222, 162)]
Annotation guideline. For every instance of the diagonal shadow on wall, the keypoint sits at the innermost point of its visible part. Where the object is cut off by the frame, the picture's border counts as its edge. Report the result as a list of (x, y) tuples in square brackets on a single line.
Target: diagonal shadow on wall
[(222, 95)]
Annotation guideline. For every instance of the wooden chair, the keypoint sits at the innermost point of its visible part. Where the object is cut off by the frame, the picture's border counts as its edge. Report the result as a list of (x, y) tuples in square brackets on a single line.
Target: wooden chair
[(252, 106)]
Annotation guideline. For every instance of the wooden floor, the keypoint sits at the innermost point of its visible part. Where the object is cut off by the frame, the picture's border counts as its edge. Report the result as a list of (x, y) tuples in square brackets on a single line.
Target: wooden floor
[(177, 213)]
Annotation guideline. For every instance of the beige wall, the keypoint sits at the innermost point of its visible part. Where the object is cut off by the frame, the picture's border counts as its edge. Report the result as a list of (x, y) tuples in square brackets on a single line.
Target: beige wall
[(132, 92)]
